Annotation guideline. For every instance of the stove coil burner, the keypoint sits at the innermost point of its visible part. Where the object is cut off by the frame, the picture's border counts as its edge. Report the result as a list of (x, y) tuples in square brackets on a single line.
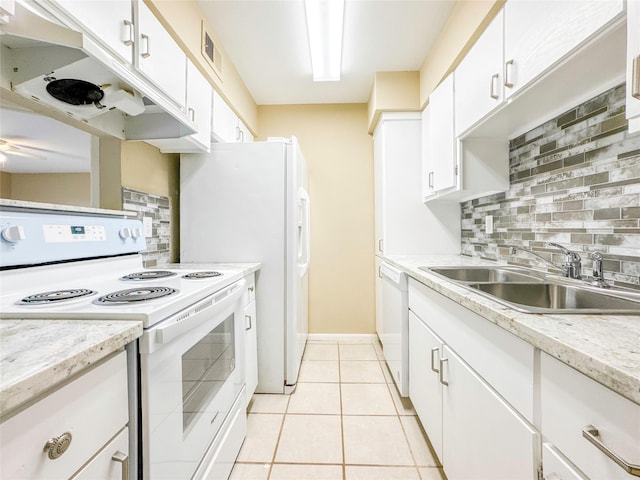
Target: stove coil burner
[(148, 275), (133, 295), (199, 275), (56, 296)]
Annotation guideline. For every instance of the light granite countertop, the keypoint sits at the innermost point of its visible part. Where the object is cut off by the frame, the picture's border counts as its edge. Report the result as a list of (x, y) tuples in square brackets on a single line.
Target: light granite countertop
[(38, 355), (606, 348)]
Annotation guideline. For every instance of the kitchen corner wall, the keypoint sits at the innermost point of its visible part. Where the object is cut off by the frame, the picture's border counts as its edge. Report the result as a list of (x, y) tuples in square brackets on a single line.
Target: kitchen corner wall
[(575, 180)]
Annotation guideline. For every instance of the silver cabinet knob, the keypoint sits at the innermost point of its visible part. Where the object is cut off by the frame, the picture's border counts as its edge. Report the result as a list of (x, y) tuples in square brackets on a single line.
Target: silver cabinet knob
[(56, 446)]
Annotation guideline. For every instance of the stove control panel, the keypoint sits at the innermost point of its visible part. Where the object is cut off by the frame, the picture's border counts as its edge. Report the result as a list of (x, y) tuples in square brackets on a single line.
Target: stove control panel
[(74, 233), (33, 238)]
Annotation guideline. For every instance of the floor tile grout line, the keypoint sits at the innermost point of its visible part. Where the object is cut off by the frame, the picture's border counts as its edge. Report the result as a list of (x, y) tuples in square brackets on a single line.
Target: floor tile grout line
[(344, 458), (275, 450)]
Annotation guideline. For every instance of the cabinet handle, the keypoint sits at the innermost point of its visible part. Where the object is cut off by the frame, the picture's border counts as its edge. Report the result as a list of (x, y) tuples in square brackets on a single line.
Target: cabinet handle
[(380, 245), (250, 325), (635, 78), (147, 51), (591, 433), (441, 374), (122, 458), (129, 27), (192, 114), (238, 131), (508, 74), (56, 446), (433, 367), (380, 271), (430, 179), (493, 86)]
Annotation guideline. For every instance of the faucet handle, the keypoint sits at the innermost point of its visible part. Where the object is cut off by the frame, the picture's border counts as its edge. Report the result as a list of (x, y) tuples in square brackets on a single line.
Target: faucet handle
[(571, 255)]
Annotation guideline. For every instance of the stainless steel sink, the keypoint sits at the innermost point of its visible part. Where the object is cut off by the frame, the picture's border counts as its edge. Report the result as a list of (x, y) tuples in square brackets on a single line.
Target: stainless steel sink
[(533, 292), (487, 274), (557, 298)]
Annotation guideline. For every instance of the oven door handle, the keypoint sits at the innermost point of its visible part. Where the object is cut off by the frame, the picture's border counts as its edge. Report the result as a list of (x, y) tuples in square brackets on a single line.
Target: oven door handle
[(220, 300)]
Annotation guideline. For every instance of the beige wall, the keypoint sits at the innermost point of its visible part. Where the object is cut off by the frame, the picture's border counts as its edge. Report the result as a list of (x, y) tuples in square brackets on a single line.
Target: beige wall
[(339, 154), (61, 188), (393, 92)]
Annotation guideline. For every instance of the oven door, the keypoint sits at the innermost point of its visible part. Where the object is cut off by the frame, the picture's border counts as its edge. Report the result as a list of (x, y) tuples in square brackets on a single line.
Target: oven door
[(191, 371)]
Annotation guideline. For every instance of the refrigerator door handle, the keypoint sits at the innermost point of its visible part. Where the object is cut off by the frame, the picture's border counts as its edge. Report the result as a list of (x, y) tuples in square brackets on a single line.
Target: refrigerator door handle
[(303, 196)]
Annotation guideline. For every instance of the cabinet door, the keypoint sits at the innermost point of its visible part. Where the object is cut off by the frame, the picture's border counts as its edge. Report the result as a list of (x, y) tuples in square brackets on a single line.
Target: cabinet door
[(109, 21), (159, 57), (483, 437), (539, 34), (199, 105), (633, 64), (425, 389), (442, 140), (251, 349), (379, 324), (478, 78), (378, 178), (224, 122)]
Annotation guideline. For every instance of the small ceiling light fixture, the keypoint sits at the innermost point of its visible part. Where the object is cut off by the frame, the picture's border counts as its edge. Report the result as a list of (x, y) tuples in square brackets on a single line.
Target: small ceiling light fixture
[(324, 27)]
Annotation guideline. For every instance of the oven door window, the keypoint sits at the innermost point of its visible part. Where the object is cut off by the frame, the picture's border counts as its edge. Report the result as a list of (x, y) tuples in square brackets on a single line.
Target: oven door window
[(205, 368)]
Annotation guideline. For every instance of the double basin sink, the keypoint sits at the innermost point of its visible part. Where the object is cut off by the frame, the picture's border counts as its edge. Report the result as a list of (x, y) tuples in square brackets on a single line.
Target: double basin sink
[(531, 291)]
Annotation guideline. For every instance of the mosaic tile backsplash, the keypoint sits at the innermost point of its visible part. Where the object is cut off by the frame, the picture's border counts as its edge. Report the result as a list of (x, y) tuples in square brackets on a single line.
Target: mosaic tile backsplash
[(575, 181), (159, 209)]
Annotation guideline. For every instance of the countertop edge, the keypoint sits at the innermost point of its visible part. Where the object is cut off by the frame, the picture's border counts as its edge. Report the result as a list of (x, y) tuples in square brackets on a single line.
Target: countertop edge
[(607, 373)]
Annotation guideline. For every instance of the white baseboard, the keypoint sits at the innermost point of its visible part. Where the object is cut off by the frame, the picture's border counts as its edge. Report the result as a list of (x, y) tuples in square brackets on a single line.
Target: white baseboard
[(343, 337)]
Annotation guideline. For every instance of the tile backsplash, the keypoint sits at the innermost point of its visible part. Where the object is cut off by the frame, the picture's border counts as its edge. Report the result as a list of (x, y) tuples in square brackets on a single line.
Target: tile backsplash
[(158, 208), (574, 180)]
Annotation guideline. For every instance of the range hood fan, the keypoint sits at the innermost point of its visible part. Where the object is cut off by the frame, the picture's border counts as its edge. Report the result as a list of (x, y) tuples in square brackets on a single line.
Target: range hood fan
[(76, 92)]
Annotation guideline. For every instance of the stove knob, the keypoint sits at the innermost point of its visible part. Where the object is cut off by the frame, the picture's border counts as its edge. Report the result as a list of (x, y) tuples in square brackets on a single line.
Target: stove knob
[(137, 232), (13, 234), (125, 233)]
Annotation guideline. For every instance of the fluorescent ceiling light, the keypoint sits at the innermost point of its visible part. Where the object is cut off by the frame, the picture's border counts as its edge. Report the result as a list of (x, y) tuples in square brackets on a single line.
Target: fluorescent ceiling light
[(324, 27)]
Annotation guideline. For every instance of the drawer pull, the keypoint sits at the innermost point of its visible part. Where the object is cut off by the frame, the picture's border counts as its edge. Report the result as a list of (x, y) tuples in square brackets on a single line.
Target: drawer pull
[(441, 374), (433, 366), (635, 78), (122, 458), (56, 446), (248, 317), (591, 433)]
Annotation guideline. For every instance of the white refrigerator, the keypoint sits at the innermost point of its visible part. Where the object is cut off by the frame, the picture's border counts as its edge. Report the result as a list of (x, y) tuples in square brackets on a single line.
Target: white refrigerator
[(248, 202)]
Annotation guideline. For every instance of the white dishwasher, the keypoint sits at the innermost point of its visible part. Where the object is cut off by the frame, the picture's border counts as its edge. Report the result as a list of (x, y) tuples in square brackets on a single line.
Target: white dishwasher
[(395, 325)]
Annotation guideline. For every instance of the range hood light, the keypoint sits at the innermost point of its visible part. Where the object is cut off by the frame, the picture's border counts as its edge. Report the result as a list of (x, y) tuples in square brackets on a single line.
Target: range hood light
[(325, 19)]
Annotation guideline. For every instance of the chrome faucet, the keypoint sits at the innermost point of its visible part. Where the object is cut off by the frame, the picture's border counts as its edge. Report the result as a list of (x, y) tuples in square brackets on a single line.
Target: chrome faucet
[(570, 269), (598, 274)]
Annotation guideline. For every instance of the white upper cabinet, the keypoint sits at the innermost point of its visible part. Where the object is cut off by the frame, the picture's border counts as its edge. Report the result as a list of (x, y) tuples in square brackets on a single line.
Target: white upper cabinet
[(440, 152), (633, 65), (159, 57), (108, 21), (199, 103), (539, 34), (479, 77), (226, 126)]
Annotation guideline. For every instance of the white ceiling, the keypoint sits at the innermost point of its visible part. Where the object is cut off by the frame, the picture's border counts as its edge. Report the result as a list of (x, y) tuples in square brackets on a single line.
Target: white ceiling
[(267, 42)]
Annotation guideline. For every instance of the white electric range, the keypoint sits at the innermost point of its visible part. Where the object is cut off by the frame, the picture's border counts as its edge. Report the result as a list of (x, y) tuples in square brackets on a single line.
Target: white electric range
[(189, 361)]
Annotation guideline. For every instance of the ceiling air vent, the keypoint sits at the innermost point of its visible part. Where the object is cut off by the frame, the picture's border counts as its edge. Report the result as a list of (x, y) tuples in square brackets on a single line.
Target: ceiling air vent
[(211, 52)]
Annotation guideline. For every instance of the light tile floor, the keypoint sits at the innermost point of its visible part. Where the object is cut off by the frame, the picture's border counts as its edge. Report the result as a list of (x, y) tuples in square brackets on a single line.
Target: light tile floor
[(345, 421)]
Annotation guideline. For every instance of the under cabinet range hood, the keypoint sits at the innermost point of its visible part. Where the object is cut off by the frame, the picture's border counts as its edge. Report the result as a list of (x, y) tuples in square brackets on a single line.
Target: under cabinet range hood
[(59, 71)]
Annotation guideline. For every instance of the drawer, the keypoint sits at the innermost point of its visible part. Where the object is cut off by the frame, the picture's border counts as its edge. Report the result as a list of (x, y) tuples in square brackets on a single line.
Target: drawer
[(503, 360), (92, 408), (569, 402), (111, 462)]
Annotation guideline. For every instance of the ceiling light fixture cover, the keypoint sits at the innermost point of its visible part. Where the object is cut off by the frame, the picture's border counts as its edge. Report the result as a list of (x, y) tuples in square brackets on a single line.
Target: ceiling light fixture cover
[(324, 27)]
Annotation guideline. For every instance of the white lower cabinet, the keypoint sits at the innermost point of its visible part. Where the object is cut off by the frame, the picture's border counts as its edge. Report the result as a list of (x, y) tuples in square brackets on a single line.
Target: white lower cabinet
[(83, 426), (483, 436), (475, 431), (572, 403), (251, 338)]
